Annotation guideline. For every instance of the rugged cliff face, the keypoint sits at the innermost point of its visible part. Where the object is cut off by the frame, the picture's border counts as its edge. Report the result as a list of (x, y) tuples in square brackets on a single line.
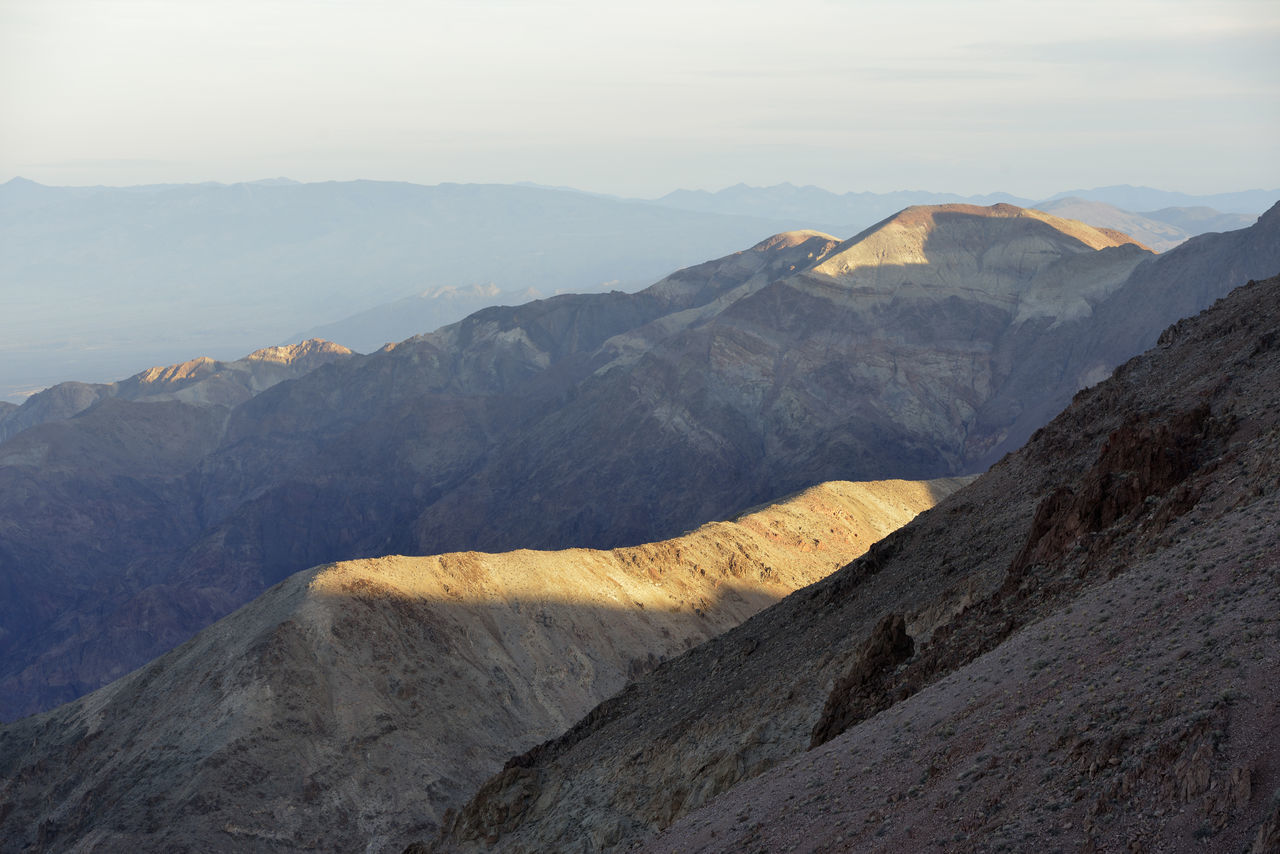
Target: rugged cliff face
[(1080, 646), (350, 706), (924, 347)]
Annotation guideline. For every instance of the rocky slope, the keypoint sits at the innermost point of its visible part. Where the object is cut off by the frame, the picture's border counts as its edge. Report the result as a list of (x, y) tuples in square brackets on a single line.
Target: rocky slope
[(348, 707), (927, 346), (1081, 649), (201, 382)]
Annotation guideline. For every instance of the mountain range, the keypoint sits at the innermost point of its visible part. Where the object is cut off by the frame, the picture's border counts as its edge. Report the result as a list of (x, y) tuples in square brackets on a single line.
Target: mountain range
[(1077, 649), (810, 207), (199, 382), (927, 346), (99, 281), (814, 207), (1161, 230)]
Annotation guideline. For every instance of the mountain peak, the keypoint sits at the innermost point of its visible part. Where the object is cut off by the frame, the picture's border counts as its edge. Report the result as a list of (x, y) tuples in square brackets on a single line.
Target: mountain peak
[(789, 239), (1002, 246), (287, 354), (927, 216)]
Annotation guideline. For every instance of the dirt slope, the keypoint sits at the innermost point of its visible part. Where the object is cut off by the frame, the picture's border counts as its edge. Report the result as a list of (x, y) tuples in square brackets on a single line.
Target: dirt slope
[(352, 704)]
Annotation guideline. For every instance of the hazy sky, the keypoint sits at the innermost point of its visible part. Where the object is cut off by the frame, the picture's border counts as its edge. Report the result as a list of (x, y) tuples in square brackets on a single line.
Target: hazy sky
[(641, 98)]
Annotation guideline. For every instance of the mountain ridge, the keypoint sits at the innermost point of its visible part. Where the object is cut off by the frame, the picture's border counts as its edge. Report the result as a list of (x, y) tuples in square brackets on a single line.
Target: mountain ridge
[(352, 697), (151, 275), (722, 386), (201, 381), (933, 692)]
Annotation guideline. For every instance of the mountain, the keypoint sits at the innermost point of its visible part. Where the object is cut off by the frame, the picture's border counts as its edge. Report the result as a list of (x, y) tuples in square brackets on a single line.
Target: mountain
[(202, 381), (349, 706), (149, 521), (927, 346), (1079, 649), (433, 308), (100, 280), (1131, 198)]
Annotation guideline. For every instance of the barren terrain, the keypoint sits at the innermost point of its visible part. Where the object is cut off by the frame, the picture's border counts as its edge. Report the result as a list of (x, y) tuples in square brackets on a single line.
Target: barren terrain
[(350, 706), (1080, 650)]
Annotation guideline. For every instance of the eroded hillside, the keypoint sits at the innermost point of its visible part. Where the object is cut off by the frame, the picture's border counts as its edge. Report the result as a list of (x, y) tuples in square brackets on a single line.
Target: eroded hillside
[(348, 707), (1081, 648)]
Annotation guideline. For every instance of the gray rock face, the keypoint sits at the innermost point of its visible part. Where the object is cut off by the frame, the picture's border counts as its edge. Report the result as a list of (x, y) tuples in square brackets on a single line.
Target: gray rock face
[(927, 346)]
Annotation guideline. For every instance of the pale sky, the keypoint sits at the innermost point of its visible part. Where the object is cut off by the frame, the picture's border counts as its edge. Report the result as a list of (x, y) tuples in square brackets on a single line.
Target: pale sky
[(641, 98)]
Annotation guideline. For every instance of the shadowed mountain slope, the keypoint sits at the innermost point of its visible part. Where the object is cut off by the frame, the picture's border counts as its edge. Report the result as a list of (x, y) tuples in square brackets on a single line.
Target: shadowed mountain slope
[(1082, 644), (348, 707), (927, 346), (1080, 648)]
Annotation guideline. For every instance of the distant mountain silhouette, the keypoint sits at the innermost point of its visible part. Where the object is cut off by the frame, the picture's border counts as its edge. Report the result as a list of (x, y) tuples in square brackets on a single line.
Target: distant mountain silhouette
[(814, 207), (1133, 198)]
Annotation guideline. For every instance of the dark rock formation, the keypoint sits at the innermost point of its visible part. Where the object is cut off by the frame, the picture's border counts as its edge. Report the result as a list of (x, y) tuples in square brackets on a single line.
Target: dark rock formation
[(859, 693)]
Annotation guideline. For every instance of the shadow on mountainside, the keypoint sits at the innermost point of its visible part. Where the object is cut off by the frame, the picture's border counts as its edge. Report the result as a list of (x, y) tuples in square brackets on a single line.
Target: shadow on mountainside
[(333, 712), (1149, 504)]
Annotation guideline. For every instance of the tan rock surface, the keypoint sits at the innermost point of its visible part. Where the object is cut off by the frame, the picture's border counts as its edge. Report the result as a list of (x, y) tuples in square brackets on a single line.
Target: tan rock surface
[(350, 705)]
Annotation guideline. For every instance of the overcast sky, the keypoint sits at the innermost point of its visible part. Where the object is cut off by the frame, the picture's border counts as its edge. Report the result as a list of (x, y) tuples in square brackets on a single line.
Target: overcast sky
[(641, 98)]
